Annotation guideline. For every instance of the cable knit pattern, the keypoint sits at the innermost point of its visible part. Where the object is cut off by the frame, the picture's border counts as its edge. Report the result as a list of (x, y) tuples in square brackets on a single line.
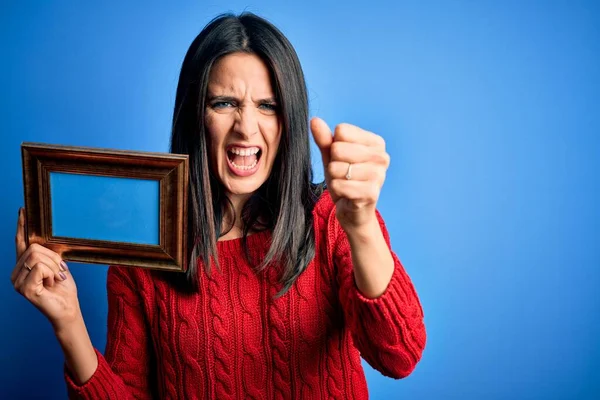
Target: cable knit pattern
[(247, 296), (166, 352), (222, 343), (278, 321), (234, 339), (188, 313)]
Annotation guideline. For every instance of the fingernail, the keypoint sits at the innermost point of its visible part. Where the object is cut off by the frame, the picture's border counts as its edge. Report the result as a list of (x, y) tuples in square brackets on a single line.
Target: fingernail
[(63, 276), (64, 265)]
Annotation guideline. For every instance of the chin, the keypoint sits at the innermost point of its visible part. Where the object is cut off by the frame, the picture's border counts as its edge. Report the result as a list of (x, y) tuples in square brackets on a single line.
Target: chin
[(247, 188)]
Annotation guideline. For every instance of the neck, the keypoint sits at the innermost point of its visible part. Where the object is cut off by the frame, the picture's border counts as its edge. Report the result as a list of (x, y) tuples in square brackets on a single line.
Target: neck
[(238, 201), (237, 229)]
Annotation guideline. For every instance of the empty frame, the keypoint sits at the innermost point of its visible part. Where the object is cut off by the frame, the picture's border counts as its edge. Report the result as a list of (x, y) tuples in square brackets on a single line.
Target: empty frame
[(107, 206)]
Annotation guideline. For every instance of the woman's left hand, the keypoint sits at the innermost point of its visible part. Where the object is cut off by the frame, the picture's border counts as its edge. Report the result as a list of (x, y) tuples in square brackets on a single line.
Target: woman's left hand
[(355, 163)]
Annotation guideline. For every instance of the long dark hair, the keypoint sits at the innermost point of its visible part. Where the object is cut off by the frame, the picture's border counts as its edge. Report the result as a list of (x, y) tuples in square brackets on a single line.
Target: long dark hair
[(284, 203)]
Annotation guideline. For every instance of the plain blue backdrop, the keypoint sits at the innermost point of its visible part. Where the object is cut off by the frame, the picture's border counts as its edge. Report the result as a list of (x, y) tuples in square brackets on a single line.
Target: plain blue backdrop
[(491, 113)]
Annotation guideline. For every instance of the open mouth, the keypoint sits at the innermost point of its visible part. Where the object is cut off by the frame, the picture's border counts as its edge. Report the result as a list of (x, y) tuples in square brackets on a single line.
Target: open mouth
[(243, 158)]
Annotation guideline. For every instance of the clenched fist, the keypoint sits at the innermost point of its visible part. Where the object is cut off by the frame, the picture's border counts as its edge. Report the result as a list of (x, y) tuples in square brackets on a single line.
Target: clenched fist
[(355, 164)]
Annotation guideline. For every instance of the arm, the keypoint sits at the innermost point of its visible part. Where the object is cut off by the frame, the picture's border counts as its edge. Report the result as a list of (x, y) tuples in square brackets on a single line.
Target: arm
[(80, 355), (387, 325), (124, 371), (371, 258), (379, 301)]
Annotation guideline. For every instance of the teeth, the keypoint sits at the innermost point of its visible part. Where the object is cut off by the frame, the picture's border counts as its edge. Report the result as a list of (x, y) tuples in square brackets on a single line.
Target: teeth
[(245, 167), (243, 151)]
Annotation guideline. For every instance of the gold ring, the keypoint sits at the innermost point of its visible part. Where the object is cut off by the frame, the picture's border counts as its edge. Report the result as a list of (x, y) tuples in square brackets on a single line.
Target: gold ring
[(27, 266), (349, 173)]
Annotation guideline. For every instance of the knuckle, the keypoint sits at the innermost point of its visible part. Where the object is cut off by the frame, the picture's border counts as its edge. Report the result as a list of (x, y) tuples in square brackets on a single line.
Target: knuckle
[(341, 137), (342, 128), (334, 186), (332, 169), (54, 257), (28, 291), (39, 265), (347, 132), (382, 157), (34, 267), (336, 150), (33, 260), (373, 190), (388, 159)]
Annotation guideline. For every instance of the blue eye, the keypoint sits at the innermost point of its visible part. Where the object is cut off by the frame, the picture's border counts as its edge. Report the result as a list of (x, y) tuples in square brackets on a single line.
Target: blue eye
[(222, 104), (268, 106)]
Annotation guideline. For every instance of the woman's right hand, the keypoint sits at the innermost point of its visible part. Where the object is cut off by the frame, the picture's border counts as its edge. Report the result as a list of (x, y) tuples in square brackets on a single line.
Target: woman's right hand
[(42, 277)]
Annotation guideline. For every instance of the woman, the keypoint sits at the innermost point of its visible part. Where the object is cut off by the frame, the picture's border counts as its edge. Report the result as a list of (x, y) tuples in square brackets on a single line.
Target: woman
[(290, 282)]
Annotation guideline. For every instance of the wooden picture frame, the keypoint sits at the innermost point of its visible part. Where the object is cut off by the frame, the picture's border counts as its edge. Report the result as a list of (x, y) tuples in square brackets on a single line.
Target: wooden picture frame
[(41, 162)]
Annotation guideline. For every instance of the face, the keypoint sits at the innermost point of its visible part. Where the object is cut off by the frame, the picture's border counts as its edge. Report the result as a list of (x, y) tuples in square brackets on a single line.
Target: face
[(242, 121)]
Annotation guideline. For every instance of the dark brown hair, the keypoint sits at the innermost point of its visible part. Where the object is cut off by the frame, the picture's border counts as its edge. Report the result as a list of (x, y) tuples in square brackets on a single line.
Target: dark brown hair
[(284, 203)]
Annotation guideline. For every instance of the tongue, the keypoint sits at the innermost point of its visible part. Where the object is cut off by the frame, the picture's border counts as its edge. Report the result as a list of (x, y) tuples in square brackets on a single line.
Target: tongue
[(243, 160)]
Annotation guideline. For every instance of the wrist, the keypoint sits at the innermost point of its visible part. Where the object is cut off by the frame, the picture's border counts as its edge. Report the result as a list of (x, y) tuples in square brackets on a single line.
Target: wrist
[(365, 232), (77, 347), (69, 326)]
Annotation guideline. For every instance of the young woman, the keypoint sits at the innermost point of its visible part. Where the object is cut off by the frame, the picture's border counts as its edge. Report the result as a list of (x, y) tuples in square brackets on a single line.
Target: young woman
[(289, 283)]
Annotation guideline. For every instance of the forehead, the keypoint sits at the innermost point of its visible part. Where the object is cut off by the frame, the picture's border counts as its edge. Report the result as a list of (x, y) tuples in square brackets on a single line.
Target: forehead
[(238, 73)]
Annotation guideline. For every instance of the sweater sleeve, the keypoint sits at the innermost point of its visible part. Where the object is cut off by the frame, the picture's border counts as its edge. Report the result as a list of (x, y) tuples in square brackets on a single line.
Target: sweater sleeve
[(124, 371), (389, 330)]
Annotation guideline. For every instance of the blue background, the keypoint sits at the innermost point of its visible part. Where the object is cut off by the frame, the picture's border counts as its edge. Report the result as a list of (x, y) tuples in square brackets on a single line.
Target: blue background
[(491, 113), (105, 208)]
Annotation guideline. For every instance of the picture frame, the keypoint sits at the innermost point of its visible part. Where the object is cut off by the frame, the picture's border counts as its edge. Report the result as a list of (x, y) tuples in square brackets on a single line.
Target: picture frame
[(104, 206)]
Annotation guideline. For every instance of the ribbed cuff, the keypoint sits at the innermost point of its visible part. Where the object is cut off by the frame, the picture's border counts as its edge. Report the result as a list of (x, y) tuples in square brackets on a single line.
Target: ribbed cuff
[(101, 384), (391, 325)]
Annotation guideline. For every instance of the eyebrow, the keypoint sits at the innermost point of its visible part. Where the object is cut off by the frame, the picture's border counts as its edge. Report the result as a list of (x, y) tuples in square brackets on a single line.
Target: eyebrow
[(212, 98)]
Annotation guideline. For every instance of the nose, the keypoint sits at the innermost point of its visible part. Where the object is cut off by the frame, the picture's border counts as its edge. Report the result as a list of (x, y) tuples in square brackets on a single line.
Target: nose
[(246, 124)]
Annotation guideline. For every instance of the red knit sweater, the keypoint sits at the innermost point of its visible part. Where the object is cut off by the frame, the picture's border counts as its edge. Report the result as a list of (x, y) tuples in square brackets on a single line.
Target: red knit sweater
[(235, 340)]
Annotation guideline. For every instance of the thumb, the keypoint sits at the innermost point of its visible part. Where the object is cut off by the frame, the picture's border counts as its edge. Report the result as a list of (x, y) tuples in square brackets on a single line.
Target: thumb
[(323, 138)]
